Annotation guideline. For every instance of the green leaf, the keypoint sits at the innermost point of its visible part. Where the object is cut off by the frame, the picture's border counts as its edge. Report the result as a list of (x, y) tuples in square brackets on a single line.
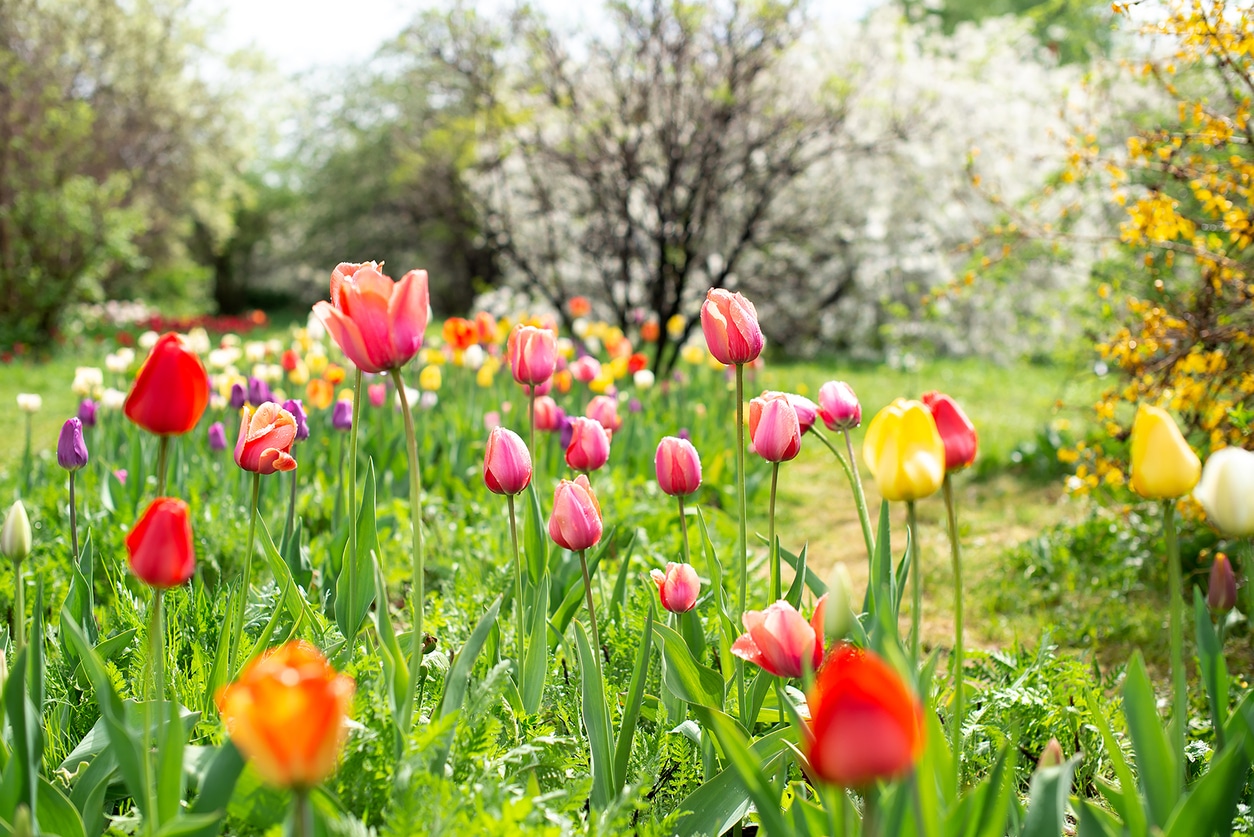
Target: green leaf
[(535, 664), (89, 789), (535, 537), (57, 814), (793, 596), (1129, 802), (685, 677), (170, 777), (79, 603), (1095, 821), (292, 599), (727, 628), (747, 766), (354, 589), (395, 665), (458, 678), (573, 598), (222, 655), (618, 599), (20, 785), (297, 559), (718, 804), (1212, 800), (216, 787), (1210, 657), (983, 810), (1154, 757), (631, 709), (1047, 799), (817, 586), (596, 721)]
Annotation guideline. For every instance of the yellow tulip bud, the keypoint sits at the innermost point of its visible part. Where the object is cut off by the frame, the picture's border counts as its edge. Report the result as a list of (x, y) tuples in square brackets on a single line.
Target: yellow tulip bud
[(430, 378), (904, 451), (1163, 465)]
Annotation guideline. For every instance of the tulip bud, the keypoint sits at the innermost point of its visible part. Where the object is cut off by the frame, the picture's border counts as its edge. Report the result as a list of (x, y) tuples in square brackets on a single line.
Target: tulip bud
[(160, 545), (87, 412), (378, 394), (342, 415), (15, 536), (1051, 756), (774, 427), (1226, 491), (297, 410), (71, 449), (904, 451), (678, 466), (258, 392), (575, 522), (955, 429), (506, 462), (532, 354), (730, 324), (547, 413), (1164, 467), (677, 587), (217, 437), (604, 410), (838, 406), (586, 369), (239, 396), (1221, 593), (589, 447)]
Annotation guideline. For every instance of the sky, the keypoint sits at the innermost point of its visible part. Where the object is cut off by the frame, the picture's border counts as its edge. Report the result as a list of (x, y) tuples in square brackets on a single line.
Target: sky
[(300, 35)]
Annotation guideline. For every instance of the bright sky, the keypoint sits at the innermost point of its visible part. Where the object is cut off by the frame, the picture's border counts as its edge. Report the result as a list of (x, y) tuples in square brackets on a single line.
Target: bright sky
[(304, 34)]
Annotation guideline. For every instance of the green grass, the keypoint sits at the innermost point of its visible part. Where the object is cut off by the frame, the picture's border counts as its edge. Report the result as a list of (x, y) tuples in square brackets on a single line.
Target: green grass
[(52, 380)]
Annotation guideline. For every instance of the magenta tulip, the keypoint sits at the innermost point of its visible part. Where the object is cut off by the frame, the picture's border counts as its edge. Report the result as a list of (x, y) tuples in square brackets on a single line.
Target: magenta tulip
[(532, 354), (506, 462), (677, 587), (575, 523), (839, 407), (678, 466), (379, 324), (589, 446)]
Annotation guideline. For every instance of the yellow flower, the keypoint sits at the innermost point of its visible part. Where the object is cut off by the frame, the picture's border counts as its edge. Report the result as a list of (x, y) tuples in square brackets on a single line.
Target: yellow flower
[(299, 375), (485, 375), (904, 451), (601, 382), (617, 367), (1163, 464), (693, 353), (675, 326), (316, 360), (430, 378)]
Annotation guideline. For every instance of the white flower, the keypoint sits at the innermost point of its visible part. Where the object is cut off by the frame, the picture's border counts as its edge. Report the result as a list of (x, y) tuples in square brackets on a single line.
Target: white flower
[(643, 379), (29, 402), (1226, 491), (148, 339), (428, 400), (112, 399), (198, 341), (87, 381), (117, 363), (411, 395), (474, 357), (274, 346), (317, 332), (254, 351)]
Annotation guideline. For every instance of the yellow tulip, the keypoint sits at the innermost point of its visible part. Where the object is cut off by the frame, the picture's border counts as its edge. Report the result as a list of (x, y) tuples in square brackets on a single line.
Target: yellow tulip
[(1163, 464), (485, 375), (904, 451), (430, 378)]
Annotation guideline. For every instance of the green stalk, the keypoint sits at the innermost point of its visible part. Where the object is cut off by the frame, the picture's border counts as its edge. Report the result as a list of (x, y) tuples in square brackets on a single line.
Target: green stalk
[(743, 564), (592, 612), (518, 586), (73, 519), (352, 466), (27, 465), (156, 661), (850, 467), (955, 551), (415, 520), (291, 506), (245, 579), (19, 609), (916, 585), (302, 813), (683, 530), (163, 444), (777, 582), (1180, 706), (531, 444)]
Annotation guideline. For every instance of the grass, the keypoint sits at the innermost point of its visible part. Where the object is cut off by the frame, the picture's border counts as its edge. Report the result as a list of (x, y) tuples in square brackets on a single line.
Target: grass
[(51, 380)]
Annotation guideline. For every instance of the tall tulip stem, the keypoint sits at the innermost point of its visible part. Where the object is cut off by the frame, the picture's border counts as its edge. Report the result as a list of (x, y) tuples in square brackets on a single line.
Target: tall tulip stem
[(521, 630), (352, 465), (416, 592), (291, 505), (850, 467), (302, 813), (1180, 706), (592, 612), (163, 452), (777, 581), (531, 442), (683, 530), (245, 577), (19, 609), (955, 552), (154, 710), (743, 566), (73, 519), (916, 580)]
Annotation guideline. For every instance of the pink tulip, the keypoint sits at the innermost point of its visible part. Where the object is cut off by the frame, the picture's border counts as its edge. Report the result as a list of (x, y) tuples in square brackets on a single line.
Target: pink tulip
[(678, 466), (540, 389), (532, 354), (378, 394), (838, 406), (774, 427), (589, 446), (780, 641), (730, 323), (265, 440), (379, 324), (548, 416), (506, 462), (807, 411), (575, 523), (491, 420), (678, 587), (586, 369), (604, 409)]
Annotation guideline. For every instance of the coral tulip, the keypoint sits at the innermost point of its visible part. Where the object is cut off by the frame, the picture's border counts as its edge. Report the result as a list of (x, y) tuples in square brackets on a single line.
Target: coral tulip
[(730, 323), (1226, 491), (904, 451), (506, 462), (774, 427), (579, 306), (865, 724), (575, 523), (379, 324), (171, 391), (265, 440), (678, 466), (677, 587), (320, 393), (779, 640), (604, 409), (160, 545), (547, 413), (589, 446), (532, 354), (839, 407), (956, 430), (460, 333), (1163, 465), (287, 712)]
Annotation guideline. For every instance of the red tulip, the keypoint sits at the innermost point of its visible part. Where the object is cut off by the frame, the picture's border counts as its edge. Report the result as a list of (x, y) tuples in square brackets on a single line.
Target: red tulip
[(730, 323), (678, 587), (171, 391), (379, 324), (774, 427), (506, 462), (575, 523), (589, 446), (865, 724), (838, 406), (604, 409), (678, 466), (779, 639), (265, 440), (532, 354), (160, 545), (955, 428)]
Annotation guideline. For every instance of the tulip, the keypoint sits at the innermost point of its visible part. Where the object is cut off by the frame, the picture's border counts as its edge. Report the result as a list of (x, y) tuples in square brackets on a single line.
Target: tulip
[(87, 412), (1226, 491), (586, 369), (342, 415), (320, 393), (379, 324), (430, 378), (730, 323), (678, 466), (239, 396), (575, 522), (459, 333), (287, 713), (677, 587), (297, 410), (171, 391), (780, 641), (774, 428), (217, 437), (506, 462), (29, 402), (546, 413), (1221, 593), (258, 392), (604, 409), (378, 394), (589, 446), (15, 535), (956, 430), (265, 440), (1163, 465), (579, 306), (532, 354), (865, 725), (160, 545), (904, 451), (839, 407), (71, 449)]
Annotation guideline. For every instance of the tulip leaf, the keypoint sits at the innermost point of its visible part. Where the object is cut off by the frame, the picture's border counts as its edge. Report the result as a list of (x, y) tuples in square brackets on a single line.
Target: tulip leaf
[(458, 679), (983, 811), (89, 789), (296, 558), (354, 592), (79, 604), (596, 721), (618, 599), (631, 708), (535, 662), (20, 783), (759, 691), (1125, 800), (1158, 770), (727, 628), (721, 802), (747, 767), (216, 787), (1047, 799), (574, 595), (1211, 803), (1211, 665), (1095, 821), (170, 776), (793, 596), (56, 813), (291, 597), (222, 654), (798, 562), (395, 666), (535, 537), (684, 676)]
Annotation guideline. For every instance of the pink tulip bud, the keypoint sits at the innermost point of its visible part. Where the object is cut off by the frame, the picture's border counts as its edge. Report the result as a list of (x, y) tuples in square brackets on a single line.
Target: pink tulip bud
[(532, 354), (730, 323), (575, 523), (548, 416), (678, 466), (586, 369), (1221, 595), (604, 409), (779, 640), (678, 587), (378, 394), (774, 428), (838, 406), (807, 411), (589, 446), (506, 462)]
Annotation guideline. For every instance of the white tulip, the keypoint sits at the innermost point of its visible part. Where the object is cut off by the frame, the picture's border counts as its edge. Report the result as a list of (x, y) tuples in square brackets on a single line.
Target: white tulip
[(29, 402), (1226, 491)]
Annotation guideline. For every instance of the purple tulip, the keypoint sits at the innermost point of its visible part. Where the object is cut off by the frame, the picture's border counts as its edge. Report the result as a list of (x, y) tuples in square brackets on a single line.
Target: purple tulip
[(239, 396), (71, 449), (258, 392), (342, 415), (293, 406), (568, 431), (217, 437), (634, 405), (87, 412), (684, 434)]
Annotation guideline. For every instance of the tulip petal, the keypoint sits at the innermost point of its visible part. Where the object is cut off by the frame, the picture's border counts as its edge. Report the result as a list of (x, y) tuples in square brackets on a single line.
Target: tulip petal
[(346, 335), (407, 314)]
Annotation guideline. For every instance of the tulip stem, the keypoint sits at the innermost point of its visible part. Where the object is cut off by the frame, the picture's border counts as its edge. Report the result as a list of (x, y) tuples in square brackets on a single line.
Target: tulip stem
[(73, 519), (683, 530), (415, 521), (955, 551), (245, 577), (291, 507), (518, 585), (777, 581), (743, 567), (163, 446), (302, 813), (352, 466), (27, 465), (592, 613), (1180, 708), (155, 710), (19, 610), (850, 467), (916, 582), (531, 444)]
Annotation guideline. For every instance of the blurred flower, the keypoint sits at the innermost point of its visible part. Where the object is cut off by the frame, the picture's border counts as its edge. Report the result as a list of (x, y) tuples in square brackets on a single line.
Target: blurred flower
[(160, 545), (839, 601), (112, 399), (956, 430), (585, 369), (428, 400), (604, 409), (677, 587), (562, 380), (342, 415), (1221, 593), (289, 360), (320, 393), (300, 375), (575, 522), (579, 306), (460, 333), (335, 374), (88, 380), (265, 440), (491, 420), (474, 356), (378, 394), (589, 446), (546, 413), (71, 449), (379, 324), (287, 713), (258, 392), (87, 412), (147, 340), (118, 363), (540, 389), (430, 378), (730, 323), (171, 391), (29, 402), (780, 641), (678, 466), (506, 462), (120, 475), (1163, 465), (217, 437), (239, 396), (839, 407), (1226, 491), (486, 327), (634, 406), (773, 427), (15, 535), (904, 451), (532, 354), (650, 331), (302, 421), (675, 326), (694, 354)]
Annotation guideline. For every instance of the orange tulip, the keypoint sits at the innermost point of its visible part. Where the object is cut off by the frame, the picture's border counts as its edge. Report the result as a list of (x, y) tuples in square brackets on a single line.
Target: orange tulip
[(171, 391), (286, 712), (320, 393), (460, 333)]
